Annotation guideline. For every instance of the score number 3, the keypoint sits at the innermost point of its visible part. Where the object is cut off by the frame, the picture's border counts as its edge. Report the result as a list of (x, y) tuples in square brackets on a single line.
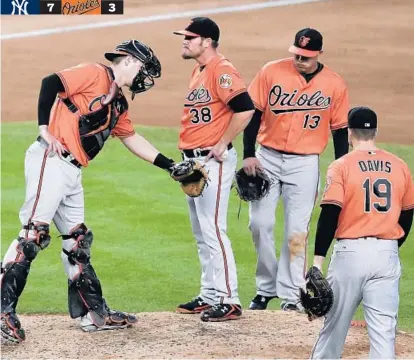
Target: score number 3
[(112, 7)]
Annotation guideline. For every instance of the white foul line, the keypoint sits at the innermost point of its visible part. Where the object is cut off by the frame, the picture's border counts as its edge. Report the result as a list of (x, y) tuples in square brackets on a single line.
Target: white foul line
[(153, 18)]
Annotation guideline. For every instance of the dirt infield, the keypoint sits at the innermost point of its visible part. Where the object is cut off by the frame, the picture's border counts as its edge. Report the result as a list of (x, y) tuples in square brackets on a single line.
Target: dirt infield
[(166, 335)]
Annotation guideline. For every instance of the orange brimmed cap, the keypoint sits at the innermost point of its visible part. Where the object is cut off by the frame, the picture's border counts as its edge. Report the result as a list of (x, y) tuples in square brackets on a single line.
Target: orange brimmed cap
[(308, 42)]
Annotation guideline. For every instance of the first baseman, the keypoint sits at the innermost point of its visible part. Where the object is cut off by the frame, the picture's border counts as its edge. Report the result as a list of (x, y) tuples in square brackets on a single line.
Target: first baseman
[(298, 102), (368, 207), (217, 107), (79, 108)]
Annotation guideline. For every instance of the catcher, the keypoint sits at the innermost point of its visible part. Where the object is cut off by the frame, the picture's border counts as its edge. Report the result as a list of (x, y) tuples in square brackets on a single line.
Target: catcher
[(79, 109)]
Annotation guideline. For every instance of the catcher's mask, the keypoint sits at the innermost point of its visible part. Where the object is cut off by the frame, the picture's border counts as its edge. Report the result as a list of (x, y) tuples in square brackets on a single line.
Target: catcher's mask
[(150, 70)]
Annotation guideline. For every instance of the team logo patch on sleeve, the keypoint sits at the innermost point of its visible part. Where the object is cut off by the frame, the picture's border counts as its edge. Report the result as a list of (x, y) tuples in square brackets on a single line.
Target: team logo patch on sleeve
[(225, 81)]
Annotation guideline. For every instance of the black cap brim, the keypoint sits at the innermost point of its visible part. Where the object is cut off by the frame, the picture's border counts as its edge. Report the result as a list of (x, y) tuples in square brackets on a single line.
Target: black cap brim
[(111, 56)]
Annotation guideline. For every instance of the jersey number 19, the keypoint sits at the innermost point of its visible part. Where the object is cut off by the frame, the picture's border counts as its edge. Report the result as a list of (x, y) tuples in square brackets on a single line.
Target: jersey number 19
[(381, 188)]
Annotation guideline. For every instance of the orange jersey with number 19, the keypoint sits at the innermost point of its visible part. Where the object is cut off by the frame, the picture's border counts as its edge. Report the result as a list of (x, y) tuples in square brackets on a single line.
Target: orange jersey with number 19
[(298, 115), (371, 187), (206, 115)]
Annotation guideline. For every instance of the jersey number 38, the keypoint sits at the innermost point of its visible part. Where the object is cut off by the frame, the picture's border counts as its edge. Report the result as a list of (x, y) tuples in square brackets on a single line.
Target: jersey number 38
[(200, 115)]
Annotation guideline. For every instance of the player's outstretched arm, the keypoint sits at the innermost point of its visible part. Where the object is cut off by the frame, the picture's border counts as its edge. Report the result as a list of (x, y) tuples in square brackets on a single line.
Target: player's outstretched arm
[(142, 148)]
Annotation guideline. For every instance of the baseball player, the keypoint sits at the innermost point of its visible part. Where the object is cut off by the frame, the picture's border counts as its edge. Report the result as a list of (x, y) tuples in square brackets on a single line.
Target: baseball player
[(217, 107), (368, 207), (79, 108), (298, 101)]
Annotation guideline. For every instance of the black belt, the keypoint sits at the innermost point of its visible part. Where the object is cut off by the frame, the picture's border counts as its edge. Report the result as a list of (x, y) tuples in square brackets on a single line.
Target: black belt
[(284, 152), (199, 153), (65, 154)]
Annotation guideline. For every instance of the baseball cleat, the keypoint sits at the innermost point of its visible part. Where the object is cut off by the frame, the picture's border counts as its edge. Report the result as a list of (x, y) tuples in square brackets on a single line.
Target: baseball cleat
[(195, 306), (11, 331), (116, 320), (260, 302), (222, 312), (291, 306)]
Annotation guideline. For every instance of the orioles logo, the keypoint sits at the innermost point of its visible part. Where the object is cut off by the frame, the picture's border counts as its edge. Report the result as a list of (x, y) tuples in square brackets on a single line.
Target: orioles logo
[(95, 104), (303, 41), (198, 96), (225, 81)]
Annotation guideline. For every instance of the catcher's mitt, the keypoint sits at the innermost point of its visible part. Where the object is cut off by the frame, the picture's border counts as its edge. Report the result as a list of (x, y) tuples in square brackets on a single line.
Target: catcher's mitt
[(252, 188), (192, 176), (318, 297)]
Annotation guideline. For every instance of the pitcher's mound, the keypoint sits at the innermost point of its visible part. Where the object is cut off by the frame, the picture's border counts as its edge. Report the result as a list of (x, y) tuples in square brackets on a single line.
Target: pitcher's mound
[(258, 334)]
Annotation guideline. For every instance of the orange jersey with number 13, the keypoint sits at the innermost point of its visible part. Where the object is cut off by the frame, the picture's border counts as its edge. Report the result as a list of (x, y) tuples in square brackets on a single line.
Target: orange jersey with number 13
[(298, 115), (206, 115)]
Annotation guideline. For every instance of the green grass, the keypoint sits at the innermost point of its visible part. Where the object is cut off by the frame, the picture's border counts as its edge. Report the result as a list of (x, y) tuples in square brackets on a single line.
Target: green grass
[(143, 250)]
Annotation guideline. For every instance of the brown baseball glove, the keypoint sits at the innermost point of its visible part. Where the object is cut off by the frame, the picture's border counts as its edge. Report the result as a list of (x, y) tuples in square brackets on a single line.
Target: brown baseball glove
[(192, 175)]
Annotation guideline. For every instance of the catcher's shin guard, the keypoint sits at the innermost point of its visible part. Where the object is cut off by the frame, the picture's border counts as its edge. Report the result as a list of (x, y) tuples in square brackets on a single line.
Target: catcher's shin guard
[(85, 291), (17, 261)]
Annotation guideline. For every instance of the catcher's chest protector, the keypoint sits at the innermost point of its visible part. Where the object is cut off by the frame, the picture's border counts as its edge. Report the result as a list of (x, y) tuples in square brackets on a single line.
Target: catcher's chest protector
[(104, 119)]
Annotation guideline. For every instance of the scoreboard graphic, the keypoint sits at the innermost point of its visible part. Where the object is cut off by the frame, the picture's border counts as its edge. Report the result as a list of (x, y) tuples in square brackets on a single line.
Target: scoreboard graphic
[(62, 7)]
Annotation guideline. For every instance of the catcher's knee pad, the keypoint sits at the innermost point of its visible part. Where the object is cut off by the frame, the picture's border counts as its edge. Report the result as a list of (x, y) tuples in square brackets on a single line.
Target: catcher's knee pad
[(17, 261), (76, 249), (37, 238), (76, 245)]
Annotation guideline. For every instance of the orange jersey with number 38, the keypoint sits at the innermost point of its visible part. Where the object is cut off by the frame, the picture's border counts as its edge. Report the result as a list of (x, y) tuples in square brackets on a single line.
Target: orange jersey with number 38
[(206, 115), (371, 187), (298, 115)]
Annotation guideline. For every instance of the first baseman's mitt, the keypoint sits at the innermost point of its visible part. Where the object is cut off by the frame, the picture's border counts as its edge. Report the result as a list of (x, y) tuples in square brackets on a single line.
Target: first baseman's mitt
[(252, 188), (318, 297), (192, 176)]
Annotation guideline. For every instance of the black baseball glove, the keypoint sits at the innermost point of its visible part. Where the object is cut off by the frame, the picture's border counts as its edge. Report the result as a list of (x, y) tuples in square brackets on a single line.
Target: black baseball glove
[(252, 188), (318, 297)]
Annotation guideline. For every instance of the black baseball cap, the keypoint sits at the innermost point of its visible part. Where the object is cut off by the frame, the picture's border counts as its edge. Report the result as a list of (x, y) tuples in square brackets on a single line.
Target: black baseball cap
[(362, 117), (308, 42), (201, 26)]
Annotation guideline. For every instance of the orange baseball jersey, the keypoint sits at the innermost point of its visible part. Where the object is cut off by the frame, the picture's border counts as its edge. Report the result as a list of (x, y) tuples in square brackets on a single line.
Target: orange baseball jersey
[(298, 115), (371, 187), (84, 85), (206, 115)]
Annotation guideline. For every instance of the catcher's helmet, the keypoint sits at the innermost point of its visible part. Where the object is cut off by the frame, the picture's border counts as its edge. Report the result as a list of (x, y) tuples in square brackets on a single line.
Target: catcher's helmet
[(144, 80)]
